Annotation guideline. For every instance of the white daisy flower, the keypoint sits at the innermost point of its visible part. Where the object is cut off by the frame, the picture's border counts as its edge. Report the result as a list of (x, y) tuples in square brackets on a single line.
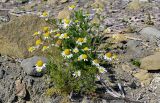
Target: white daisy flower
[(40, 66), (31, 49), (66, 23), (95, 62), (46, 35), (76, 50), (80, 41), (45, 14), (108, 56), (77, 73), (86, 49), (71, 7), (83, 57), (45, 48), (38, 43), (64, 36), (102, 69), (98, 77), (67, 53)]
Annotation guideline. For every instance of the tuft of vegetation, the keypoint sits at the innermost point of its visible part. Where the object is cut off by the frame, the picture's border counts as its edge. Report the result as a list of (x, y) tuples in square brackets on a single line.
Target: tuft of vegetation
[(76, 65), (136, 62)]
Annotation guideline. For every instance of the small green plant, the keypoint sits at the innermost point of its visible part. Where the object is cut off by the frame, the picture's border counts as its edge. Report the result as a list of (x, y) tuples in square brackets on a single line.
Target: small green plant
[(136, 62), (79, 65)]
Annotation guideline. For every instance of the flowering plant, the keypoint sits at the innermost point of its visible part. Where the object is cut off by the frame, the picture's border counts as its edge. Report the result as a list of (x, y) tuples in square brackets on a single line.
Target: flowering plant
[(76, 39)]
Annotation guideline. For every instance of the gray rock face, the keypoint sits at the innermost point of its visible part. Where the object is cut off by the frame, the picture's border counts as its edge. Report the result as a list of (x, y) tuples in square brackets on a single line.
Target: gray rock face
[(151, 62), (150, 33), (29, 64), (1, 73)]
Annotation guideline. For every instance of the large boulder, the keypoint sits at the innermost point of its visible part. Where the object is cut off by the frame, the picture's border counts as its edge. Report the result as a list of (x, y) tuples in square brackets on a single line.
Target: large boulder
[(16, 35), (151, 62), (150, 33)]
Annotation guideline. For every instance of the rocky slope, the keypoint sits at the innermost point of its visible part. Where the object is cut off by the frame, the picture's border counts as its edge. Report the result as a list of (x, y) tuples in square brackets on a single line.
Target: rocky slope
[(138, 46)]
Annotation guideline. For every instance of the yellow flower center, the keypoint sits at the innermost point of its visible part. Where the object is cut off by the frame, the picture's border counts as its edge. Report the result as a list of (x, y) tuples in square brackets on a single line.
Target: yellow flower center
[(58, 42), (46, 34), (31, 49), (67, 21), (72, 6), (36, 33), (80, 40), (44, 48), (76, 50), (46, 29), (86, 49), (65, 35), (38, 42), (109, 55), (96, 61), (67, 52), (76, 21), (57, 35), (45, 13), (101, 70), (84, 56), (39, 63)]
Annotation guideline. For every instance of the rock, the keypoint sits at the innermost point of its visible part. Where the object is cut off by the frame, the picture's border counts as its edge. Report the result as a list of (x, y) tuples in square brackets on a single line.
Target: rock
[(155, 84), (98, 4), (85, 100), (4, 19), (95, 20), (144, 77), (144, 0), (151, 62), (1, 73), (52, 2), (22, 1), (20, 89), (119, 37), (127, 68), (63, 1), (134, 5), (53, 100), (65, 13), (132, 44), (150, 33), (29, 102), (109, 22), (133, 48), (4, 1), (29, 65), (16, 35)]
